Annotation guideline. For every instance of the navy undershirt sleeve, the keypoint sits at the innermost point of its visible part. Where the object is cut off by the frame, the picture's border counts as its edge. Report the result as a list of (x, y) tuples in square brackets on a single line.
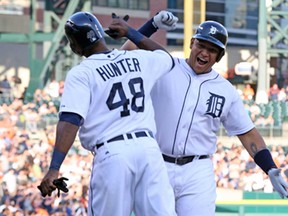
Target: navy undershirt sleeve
[(72, 118)]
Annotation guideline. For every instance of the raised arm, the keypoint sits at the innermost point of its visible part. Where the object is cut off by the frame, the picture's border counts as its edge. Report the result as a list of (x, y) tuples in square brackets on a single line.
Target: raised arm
[(164, 20), (120, 28)]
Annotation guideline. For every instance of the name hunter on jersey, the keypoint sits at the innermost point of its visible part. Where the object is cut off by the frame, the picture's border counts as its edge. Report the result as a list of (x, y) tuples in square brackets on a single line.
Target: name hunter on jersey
[(118, 68)]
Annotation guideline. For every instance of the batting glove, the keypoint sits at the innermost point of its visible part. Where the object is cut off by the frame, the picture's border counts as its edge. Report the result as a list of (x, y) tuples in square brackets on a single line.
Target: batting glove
[(278, 182), (61, 185), (165, 20)]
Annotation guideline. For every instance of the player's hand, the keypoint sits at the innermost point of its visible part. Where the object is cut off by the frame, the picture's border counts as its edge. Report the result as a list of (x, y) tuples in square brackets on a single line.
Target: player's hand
[(47, 187), (165, 20), (278, 182), (113, 31)]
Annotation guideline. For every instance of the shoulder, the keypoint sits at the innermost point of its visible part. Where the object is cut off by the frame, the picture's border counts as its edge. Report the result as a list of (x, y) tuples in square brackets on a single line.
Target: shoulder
[(179, 61), (150, 52), (220, 78), (223, 83), (79, 70)]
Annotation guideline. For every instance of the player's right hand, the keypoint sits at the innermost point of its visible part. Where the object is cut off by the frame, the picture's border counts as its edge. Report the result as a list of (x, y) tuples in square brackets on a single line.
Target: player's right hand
[(165, 20), (114, 33), (278, 182), (47, 187)]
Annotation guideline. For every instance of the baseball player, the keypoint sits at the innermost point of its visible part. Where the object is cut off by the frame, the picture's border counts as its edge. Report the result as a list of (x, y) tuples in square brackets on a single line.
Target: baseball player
[(191, 102), (107, 98)]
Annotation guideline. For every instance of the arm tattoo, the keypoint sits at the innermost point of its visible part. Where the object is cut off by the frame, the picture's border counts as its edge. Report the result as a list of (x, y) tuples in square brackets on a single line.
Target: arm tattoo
[(253, 148)]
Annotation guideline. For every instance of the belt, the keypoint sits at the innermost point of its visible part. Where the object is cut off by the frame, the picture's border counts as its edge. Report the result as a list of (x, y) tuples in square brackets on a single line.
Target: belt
[(183, 159), (129, 136)]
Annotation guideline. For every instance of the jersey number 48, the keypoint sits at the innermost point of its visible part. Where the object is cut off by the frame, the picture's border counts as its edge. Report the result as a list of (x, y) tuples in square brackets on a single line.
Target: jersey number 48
[(123, 101)]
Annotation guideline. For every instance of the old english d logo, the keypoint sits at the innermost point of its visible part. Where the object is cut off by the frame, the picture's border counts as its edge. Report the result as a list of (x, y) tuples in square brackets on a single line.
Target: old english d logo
[(215, 105)]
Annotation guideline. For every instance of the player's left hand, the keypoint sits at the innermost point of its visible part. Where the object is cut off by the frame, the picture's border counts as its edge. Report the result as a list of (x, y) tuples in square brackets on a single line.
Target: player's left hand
[(278, 182), (165, 20)]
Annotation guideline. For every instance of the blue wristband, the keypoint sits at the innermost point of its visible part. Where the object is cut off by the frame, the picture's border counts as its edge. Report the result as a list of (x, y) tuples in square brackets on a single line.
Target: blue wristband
[(57, 159), (264, 160), (148, 28), (134, 36)]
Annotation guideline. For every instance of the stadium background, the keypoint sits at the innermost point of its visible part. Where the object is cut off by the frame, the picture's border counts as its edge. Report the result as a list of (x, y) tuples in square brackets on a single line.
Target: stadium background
[(34, 60)]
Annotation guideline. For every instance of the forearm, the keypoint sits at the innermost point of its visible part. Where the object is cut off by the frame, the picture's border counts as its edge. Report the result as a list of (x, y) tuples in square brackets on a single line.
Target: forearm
[(65, 136), (147, 30), (142, 41), (256, 147), (252, 142)]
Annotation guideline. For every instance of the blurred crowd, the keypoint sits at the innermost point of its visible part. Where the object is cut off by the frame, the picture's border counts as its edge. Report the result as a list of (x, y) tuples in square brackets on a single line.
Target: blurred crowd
[(270, 114), (235, 169), (27, 133), (274, 93)]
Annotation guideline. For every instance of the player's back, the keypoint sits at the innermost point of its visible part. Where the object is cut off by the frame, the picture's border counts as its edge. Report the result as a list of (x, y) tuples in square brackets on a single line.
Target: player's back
[(113, 92)]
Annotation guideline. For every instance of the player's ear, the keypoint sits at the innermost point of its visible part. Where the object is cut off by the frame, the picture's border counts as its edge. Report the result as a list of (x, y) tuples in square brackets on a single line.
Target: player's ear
[(191, 42)]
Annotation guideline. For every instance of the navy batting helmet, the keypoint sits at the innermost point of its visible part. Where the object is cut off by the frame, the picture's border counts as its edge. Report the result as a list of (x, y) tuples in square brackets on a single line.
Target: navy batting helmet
[(83, 30), (215, 33)]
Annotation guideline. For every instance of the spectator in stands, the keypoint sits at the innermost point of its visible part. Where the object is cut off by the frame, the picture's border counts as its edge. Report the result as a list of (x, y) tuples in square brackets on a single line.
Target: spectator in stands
[(38, 97), (61, 87), (43, 109), (7, 207), (5, 90), (262, 121), (273, 92), (53, 89), (248, 92), (258, 181), (10, 180), (240, 92), (255, 111), (282, 95), (286, 91), (5, 84), (17, 91), (31, 119)]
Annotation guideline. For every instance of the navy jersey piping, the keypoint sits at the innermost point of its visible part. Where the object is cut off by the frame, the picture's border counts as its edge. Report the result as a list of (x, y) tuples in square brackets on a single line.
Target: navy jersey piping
[(183, 105), (192, 117), (91, 189), (173, 62)]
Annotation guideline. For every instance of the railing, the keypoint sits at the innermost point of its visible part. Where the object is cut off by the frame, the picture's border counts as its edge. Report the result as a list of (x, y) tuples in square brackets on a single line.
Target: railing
[(251, 207), (265, 131)]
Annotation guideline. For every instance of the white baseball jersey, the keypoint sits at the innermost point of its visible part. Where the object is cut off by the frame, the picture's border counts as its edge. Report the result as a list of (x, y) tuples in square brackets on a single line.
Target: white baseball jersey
[(190, 108), (112, 93)]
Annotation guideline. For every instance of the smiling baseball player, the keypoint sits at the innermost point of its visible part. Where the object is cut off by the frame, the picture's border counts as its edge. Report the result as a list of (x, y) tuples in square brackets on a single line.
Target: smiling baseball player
[(191, 102)]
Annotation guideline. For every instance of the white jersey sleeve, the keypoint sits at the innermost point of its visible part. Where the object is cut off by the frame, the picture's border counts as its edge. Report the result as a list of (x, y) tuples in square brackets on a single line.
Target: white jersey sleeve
[(237, 120), (76, 95)]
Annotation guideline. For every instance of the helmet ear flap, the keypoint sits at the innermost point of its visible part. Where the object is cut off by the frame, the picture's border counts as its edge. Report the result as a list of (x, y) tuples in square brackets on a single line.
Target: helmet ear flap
[(220, 55)]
